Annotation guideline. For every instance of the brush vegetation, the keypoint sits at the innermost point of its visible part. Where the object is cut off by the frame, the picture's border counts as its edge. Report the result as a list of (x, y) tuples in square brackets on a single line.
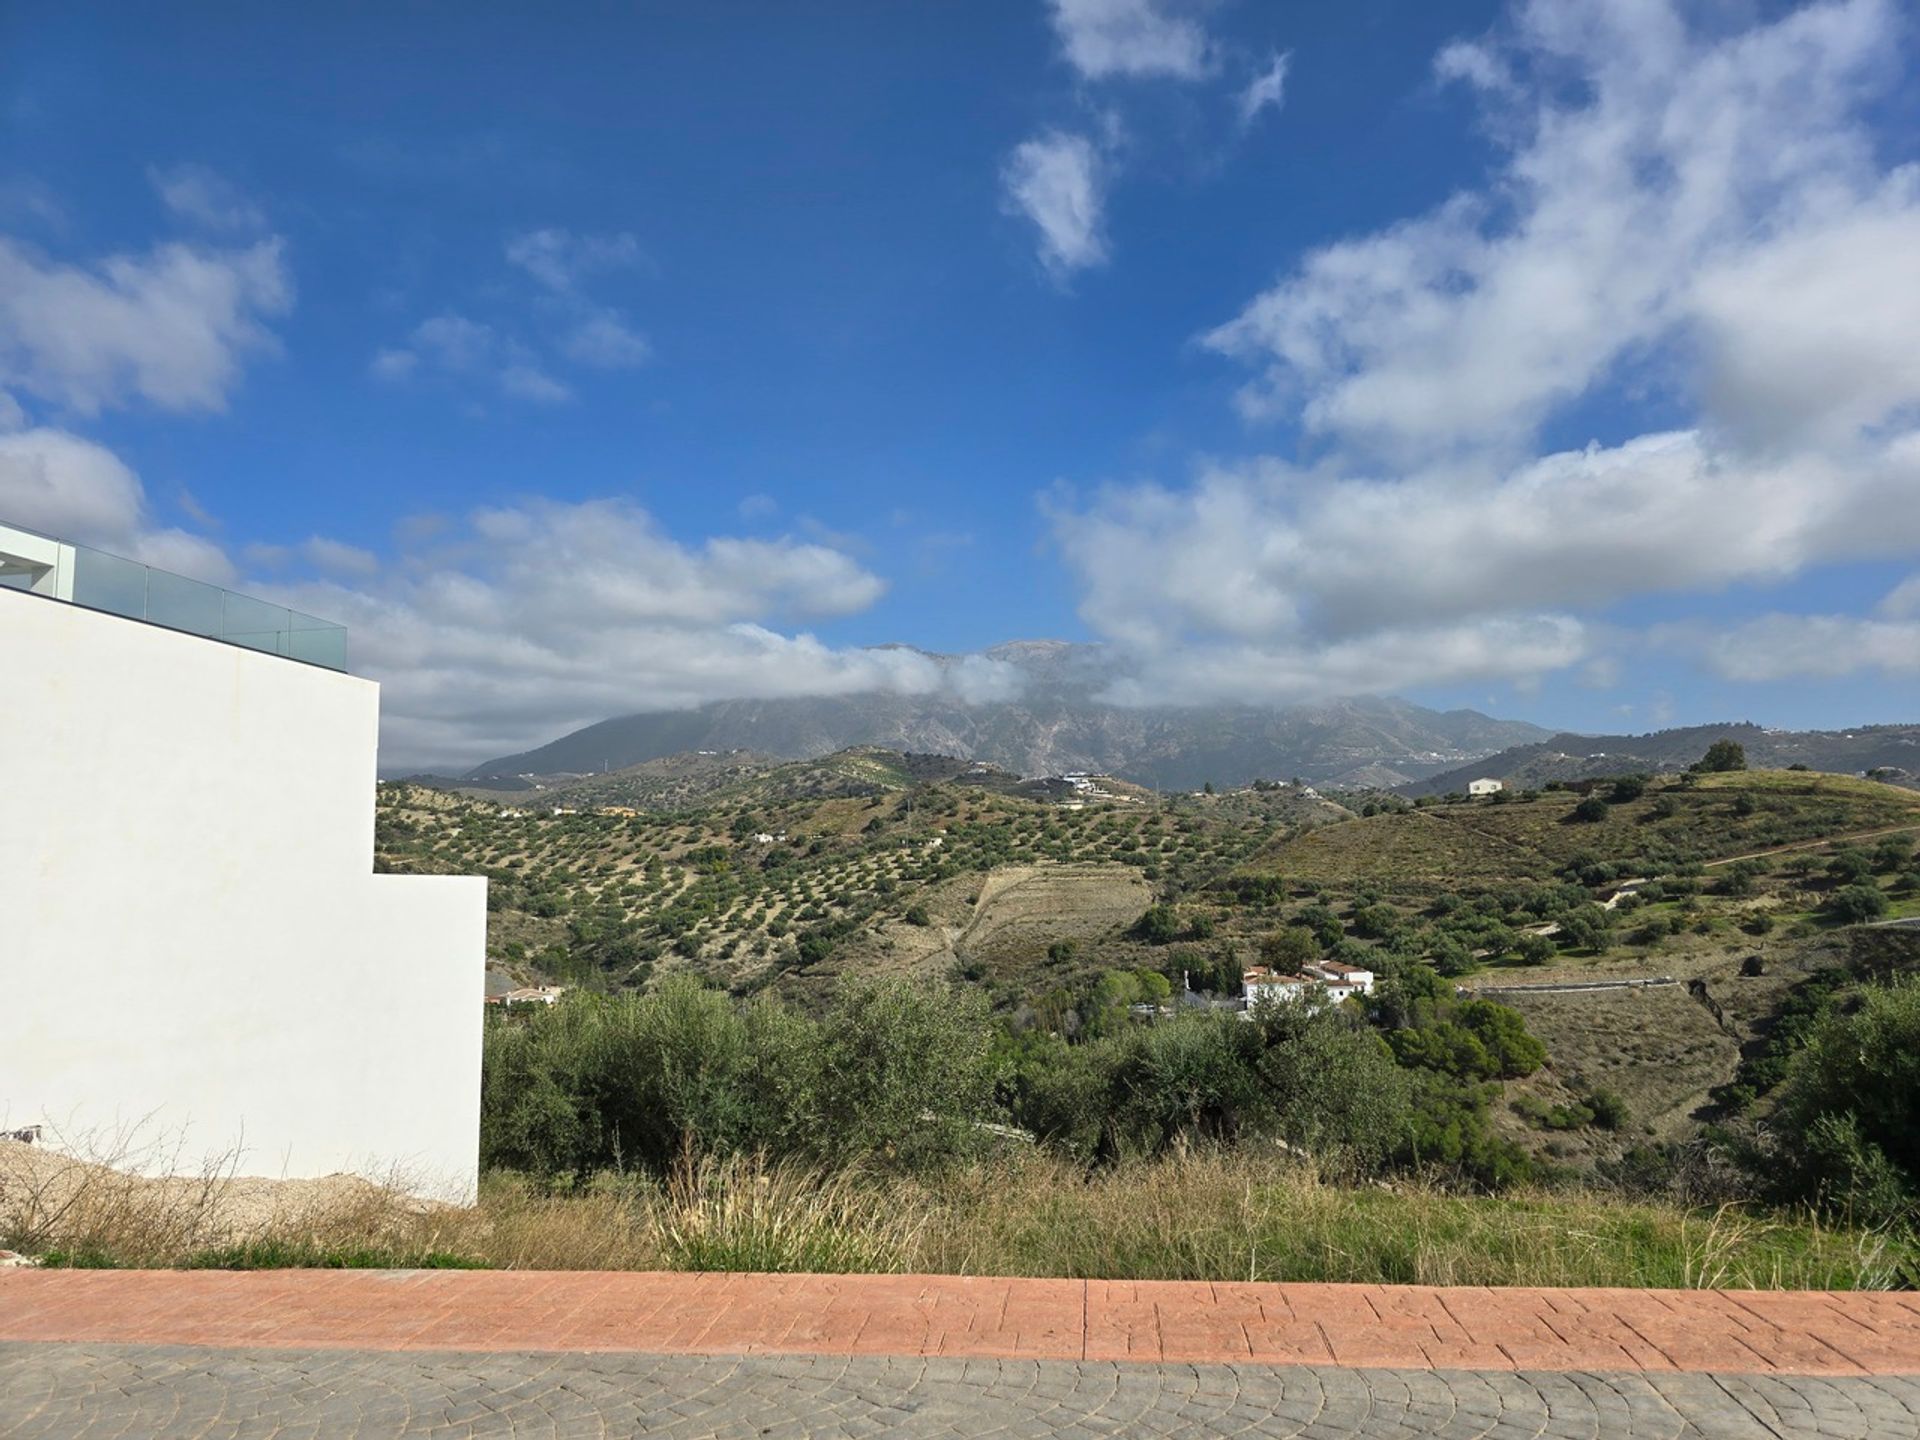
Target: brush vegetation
[(887, 1012), (1205, 1215)]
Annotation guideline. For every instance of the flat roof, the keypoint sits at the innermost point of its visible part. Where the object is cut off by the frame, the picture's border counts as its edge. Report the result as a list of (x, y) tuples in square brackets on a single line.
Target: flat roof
[(75, 574)]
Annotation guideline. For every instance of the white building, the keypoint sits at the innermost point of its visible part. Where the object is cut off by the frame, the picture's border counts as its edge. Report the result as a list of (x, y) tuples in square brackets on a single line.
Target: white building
[(1339, 981), (1323, 980), (1484, 786), (1263, 986), (197, 951)]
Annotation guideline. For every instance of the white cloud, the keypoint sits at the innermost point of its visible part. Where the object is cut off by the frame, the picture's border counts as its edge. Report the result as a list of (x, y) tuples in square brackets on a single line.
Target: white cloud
[(1471, 64), (1602, 673), (1267, 90), (1903, 601), (60, 484), (1103, 39), (393, 365), (1783, 647), (1515, 649), (1266, 579), (559, 259), (169, 328), (1821, 647), (604, 340), (336, 557), (1657, 183), (456, 343), (522, 622), (1811, 334), (529, 382), (564, 326), (453, 347), (532, 620), (25, 200), (63, 485), (1056, 180), (1704, 208), (201, 197)]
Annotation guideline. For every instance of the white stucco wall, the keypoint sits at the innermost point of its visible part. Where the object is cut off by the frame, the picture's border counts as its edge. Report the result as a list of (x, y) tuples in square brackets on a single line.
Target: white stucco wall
[(193, 944)]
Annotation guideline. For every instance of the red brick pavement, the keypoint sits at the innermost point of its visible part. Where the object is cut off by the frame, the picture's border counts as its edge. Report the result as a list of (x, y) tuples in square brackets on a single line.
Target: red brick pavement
[(1802, 1333)]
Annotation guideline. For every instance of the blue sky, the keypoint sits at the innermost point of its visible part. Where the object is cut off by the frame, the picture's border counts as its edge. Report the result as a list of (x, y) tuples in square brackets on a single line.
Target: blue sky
[(1554, 359)]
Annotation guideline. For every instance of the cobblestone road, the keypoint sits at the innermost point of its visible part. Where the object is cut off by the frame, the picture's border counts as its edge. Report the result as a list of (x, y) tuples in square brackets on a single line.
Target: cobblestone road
[(78, 1392)]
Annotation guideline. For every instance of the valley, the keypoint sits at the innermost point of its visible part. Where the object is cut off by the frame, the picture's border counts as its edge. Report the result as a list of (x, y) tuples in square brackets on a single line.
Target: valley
[(795, 879)]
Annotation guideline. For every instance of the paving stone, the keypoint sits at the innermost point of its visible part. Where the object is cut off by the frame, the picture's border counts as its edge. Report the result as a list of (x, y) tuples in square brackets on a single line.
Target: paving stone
[(341, 1356), (94, 1391)]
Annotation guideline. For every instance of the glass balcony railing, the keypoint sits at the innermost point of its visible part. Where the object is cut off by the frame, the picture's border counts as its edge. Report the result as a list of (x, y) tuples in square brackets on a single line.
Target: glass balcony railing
[(99, 581)]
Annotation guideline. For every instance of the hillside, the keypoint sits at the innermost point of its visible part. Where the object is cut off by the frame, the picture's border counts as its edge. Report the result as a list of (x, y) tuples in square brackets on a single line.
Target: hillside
[(752, 873), (1515, 839), (1056, 724), (756, 875), (1893, 749), (1726, 892)]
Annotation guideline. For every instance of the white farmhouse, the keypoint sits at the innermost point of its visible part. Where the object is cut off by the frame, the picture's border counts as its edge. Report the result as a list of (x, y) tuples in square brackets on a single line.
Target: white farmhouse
[(1484, 786), (197, 947), (1339, 981), (1263, 986)]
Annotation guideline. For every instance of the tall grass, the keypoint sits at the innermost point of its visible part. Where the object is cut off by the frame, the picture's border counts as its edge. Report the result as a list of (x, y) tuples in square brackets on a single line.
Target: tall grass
[(739, 1214), (1204, 1216), (1213, 1217)]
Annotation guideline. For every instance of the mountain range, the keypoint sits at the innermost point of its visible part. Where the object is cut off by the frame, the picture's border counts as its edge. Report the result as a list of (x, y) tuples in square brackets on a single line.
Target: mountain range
[(1055, 724)]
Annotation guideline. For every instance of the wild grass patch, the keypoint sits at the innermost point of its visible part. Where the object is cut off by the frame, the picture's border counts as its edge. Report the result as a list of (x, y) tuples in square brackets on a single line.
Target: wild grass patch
[(1199, 1216)]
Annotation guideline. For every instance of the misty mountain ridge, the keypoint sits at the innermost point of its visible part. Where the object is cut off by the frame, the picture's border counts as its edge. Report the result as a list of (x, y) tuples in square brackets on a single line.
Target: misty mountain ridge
[(1051, 723)]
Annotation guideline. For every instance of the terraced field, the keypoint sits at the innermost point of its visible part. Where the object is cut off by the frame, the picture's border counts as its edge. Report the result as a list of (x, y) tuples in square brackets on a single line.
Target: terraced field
[(1460, 846), (788, 874), (795, 877)]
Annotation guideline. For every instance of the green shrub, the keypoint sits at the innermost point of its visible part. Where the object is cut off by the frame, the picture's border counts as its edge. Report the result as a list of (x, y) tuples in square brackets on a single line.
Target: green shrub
[(1850, 867), (1289, 949), (1856, 904), (1722, 756), (1535, 949), (1849, 1111), (1608, 1107), (897, 1072), (1160, 925)]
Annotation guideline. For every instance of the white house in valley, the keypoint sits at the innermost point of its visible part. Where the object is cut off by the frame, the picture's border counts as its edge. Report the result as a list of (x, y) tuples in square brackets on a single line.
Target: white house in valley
[(1485, 786), (1338, 981), (1262, 986), (1327, 979), (197, 951)]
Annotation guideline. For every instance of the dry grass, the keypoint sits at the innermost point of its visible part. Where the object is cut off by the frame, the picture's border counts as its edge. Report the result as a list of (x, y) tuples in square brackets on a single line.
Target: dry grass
[(1221, 1217), (1202, 1217), (119, 1199)]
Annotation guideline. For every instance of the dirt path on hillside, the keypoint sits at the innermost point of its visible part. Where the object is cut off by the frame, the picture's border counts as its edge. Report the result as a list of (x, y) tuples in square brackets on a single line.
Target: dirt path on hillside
[(1531, 852), (1812, 845)]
